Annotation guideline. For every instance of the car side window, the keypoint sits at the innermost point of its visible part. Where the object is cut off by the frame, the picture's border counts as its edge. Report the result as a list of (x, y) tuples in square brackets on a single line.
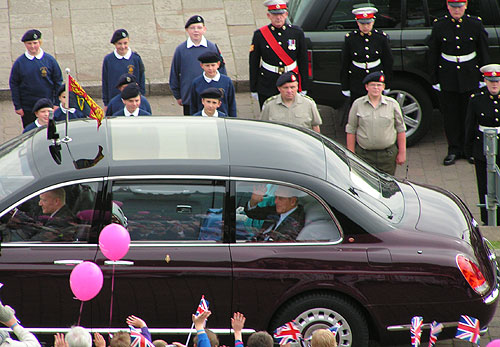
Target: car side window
[(415, 14), (57, 215), (171, 211), (388, 16), (278, 213)]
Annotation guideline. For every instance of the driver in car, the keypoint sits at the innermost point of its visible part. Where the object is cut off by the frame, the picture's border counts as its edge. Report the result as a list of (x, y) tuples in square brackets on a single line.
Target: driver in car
[(282, 222)]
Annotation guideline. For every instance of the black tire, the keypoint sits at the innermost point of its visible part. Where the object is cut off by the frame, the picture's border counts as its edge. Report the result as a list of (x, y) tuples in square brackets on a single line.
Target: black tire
[(416, 105), (321, 311)]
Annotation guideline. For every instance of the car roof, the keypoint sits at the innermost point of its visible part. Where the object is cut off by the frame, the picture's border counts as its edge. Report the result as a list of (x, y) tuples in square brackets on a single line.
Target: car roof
[(177, 145)]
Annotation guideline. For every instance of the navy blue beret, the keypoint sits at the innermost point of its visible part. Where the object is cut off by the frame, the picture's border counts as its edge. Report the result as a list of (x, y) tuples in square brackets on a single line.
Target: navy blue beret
[(209, 57), (285, 78), (118, 35), (130, 91), (194, 20), (31, 35), (126, 78), (376, 76), (42, 103), (211, 93)]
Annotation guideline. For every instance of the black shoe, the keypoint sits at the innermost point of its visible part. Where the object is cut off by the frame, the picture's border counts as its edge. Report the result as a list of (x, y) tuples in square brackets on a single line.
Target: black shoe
[(470, 160), (450, 159)]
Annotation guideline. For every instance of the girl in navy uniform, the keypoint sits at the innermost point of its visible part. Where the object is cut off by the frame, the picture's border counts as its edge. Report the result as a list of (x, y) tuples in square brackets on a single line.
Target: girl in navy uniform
[(122, 60)]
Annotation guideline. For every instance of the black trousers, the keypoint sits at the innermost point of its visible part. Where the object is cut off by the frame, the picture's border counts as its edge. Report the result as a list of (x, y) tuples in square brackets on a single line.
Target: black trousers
[(186, 109), (454, 109), (28, 118)]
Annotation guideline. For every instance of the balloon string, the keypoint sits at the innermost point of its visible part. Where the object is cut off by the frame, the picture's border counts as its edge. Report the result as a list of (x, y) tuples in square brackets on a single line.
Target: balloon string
[(112, 290), (80, 315)]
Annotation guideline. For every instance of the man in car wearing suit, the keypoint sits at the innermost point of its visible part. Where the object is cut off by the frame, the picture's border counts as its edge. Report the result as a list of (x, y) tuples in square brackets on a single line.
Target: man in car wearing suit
[(282, 222)]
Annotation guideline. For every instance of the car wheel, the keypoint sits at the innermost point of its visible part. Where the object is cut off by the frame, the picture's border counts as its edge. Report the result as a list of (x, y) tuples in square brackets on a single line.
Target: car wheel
[(416, 105), (321, 311)]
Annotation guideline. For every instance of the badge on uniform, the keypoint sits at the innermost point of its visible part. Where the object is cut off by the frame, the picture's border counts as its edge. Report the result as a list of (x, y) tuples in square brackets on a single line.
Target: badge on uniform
[(43, 71), (130, 69), (291, 45)]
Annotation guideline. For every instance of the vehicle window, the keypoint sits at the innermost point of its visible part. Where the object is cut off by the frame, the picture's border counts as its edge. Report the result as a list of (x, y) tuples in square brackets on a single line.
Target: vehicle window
[(277, 213), (415, 14), (14, 167), (388, 16), (56, 215), (167, 211)]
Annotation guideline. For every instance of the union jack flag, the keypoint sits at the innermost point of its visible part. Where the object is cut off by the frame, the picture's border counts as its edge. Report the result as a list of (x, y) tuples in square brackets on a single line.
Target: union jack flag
[(468, 329), (334, 328), (288, 333), (137, 339), (436, 328), (202, 307), (416, 330)]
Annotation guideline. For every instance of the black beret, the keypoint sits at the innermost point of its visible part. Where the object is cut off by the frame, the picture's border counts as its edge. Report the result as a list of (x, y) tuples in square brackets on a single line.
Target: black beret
[(285, 78), (211, 93), (118, 35), (376, 76), (209, 57), (130, 91), (31, 35), (61, 90), (42, 103), (126, 78), (193, 20)]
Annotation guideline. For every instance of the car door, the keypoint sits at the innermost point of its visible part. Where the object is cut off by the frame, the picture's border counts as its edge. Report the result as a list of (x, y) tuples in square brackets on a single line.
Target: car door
[(38, 252), (177, 254)]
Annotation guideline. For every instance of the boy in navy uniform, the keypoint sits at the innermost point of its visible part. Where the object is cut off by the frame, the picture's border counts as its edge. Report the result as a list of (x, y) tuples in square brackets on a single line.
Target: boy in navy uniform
[(131, 98), (483, 112), (185, 65), (211, 78), (211, 101), (62, 111), (122, 60), (458, 45), (365, 51), (41, 109), (276, 48), (116, 103), (34, 75)]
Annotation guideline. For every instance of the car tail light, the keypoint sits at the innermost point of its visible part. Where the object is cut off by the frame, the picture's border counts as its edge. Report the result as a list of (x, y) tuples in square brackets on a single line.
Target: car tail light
[(309, 64), (472, 274)]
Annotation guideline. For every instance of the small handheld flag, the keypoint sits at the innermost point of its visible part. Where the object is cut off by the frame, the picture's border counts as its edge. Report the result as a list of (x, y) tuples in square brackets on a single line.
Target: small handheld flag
[(203, 306), (335, 328), (288, 333), (468, 329), (416, 330), (137, 339), (436, 328)]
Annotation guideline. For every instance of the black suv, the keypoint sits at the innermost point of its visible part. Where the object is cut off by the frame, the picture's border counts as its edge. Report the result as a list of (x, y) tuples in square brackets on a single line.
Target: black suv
[(408, 23)]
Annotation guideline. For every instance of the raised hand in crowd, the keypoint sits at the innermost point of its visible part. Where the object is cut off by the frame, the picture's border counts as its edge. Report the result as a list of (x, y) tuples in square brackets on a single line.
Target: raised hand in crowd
[(98, 340), (237, 323)]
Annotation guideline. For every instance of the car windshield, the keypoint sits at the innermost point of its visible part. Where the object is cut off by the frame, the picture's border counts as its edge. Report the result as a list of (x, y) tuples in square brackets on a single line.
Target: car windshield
[(15, 169)]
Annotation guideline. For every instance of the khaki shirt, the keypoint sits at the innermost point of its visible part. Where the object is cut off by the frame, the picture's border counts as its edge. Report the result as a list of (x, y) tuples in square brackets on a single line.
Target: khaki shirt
[(302, 112), (375, 128)]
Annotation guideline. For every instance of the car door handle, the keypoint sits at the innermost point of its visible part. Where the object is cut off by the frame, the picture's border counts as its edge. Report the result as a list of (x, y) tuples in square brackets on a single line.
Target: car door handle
[(119, 262), (67, 262), (417, 48)]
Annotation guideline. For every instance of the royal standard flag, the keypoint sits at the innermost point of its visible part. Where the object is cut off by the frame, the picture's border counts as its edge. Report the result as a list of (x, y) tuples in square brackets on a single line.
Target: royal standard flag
[(80, 100)]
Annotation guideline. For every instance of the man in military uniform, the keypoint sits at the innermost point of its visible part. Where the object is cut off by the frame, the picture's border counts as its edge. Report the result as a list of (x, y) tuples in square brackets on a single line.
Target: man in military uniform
[(483, 112), (276, 48), (458, 45), (290, 107), (34, 75), (365, 51)]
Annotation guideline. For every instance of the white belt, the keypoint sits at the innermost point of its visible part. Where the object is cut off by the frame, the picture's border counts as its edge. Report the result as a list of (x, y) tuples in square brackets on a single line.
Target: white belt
[(367, 65), (483, 129), (459, 58), (279, 69)]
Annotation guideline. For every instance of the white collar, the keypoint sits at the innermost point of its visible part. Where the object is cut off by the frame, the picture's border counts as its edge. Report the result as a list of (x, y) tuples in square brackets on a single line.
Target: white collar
[(128, 114), (208, 79), (203, 42), (37, 123), (31, 57), (126, 56), (64, 110), (216, 114)]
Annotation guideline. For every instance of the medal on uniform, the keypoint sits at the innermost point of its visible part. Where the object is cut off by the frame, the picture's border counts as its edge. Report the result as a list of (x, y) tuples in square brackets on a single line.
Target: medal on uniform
[(291, 45)]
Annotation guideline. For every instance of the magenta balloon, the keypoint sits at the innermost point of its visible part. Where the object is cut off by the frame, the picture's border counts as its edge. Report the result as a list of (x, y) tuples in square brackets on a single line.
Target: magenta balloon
[(114, 241), (494, 343), (86, 280)]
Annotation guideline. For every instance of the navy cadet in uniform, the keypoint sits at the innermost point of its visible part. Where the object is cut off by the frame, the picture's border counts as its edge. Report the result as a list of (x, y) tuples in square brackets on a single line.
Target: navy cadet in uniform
[(483, 112), (34, 75), (276, 48), (458, 46), (365, 51)]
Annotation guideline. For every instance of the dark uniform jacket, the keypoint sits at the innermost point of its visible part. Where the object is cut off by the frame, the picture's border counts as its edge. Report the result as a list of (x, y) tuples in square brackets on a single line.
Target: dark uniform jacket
[(288, 229), (483, 109), (293, 43), (457, 38), (363, 48)]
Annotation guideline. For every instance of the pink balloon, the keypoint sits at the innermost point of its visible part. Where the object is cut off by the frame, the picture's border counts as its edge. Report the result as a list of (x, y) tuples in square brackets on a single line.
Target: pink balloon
[(86, 280), (114, 241), (494, 343)]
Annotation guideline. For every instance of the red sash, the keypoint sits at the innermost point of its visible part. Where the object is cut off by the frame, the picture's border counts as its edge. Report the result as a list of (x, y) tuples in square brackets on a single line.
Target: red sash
[(280, 52)]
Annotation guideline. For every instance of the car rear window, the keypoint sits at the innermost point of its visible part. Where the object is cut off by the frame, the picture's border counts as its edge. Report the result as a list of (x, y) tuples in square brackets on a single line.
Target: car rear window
[(155, 139)]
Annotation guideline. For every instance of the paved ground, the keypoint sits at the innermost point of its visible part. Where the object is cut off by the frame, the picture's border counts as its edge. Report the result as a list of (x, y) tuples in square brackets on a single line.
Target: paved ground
[(77, 33)]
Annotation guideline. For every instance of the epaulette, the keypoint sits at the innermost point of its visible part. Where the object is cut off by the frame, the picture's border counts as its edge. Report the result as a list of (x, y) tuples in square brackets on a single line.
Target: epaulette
[(307, 97), (380, 32), (270, 99)]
